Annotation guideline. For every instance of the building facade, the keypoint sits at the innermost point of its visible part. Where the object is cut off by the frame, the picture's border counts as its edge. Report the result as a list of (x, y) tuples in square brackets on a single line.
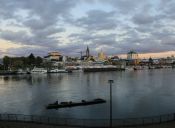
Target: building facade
[(54, 56), (132, 55), (133, 58), (101, 56)]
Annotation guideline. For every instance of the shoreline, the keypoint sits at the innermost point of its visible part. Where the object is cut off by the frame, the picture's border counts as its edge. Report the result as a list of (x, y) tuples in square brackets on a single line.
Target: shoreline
[(19, 119)]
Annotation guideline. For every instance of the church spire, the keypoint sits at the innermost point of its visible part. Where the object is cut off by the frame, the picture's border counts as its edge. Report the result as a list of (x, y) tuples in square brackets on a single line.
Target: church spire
[(87, 52)]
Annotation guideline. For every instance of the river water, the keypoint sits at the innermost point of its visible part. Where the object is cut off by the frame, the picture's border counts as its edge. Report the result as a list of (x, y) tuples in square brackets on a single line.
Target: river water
[(135, 93)]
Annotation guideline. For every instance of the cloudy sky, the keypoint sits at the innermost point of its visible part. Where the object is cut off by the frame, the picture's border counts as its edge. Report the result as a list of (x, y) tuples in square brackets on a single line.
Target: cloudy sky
[(68, 26)]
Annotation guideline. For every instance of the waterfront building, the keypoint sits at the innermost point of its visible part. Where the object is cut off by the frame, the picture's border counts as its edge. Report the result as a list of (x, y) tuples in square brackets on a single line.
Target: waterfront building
[(115, 58), (170, 60), (54, 56), (133, 58), (145, 62), (132, 55), (87, 56), (53, 60), (167, 61), (101, 56), (120, 63)]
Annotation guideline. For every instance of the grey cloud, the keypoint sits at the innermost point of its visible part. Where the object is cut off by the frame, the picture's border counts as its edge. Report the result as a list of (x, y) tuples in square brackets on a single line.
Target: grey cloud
[(126, 6), (22, 37), (94, 39), (38, 24), (41, 21), (144, 45), (37, 51), (163, 33), (167, 8), (105, 42), (41, 8), (138, 25), (168, 42), (143, 18), (146, 16), (97, 20), (14, 36)]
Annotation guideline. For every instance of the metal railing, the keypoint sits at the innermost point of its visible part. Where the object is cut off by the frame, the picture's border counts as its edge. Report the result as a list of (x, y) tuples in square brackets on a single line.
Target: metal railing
[(87, 122)]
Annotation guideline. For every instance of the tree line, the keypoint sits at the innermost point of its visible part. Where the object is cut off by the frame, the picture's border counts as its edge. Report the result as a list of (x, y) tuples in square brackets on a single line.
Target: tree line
[(14, 63)]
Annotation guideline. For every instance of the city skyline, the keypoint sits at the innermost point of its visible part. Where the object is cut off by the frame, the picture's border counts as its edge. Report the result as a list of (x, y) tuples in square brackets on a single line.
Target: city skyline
[(114, 26)]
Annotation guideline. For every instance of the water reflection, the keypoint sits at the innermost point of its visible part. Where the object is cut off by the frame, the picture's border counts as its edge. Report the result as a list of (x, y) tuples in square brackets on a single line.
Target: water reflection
[(135, 94)]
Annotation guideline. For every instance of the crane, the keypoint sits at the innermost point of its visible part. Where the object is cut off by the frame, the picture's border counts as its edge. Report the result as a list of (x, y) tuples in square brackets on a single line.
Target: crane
[(81, 54)]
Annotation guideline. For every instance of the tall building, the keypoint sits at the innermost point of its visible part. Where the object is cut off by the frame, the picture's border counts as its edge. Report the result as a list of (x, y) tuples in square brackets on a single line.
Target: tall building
[(132, 55), (133, 58), (101, 56), (87, 52)]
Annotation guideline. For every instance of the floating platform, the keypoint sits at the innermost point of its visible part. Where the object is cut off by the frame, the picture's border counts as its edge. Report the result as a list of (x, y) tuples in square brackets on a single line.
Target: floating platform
[(74, 104), (101, 68)]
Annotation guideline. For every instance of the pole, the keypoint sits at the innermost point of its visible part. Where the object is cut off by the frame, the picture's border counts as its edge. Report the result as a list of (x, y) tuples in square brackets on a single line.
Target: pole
[(110, 82), (110, 105)]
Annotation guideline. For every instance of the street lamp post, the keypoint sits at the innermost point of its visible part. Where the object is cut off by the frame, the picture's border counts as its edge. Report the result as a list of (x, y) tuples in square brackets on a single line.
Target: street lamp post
[(110, 82)]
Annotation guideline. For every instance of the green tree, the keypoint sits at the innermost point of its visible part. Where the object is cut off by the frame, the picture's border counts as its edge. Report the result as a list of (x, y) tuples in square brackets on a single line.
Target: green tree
[(17, 63), (47, 65), (31, 60), (25, 62), (6, 62), (38, 61)]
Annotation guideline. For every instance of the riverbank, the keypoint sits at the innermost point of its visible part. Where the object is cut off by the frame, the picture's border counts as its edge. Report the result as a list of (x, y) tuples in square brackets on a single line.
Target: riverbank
[(5, 124), (162, 120)]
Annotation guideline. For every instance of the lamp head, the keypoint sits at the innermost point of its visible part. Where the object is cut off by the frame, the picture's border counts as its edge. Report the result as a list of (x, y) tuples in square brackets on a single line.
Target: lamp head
[(110, 81)]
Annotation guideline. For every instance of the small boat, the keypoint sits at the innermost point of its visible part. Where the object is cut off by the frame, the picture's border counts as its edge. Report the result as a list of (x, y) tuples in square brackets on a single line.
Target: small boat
[(129, 68), (38, 71), (57, 105), (151, 67), (20, 71), (138, 68), (59, 71)]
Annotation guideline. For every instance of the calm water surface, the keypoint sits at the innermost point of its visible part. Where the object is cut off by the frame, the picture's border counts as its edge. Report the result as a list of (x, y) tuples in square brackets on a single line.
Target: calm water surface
[(135, 93)]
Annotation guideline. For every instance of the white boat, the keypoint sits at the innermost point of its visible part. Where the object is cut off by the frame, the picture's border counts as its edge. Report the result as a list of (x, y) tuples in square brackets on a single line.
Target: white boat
[(38, 70), (138, 68), (129, 68), (20, 71), (59, 71)]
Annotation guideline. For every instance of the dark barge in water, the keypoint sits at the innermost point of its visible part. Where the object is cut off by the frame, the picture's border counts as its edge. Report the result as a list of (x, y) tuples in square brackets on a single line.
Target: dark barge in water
[(74, 104), (101, 68)]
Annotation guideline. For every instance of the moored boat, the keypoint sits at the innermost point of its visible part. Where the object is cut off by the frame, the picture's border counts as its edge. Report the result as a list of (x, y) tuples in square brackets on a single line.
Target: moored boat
[(57, 105), (138, 68), (59, 71), (38, 71), (100, 68)]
